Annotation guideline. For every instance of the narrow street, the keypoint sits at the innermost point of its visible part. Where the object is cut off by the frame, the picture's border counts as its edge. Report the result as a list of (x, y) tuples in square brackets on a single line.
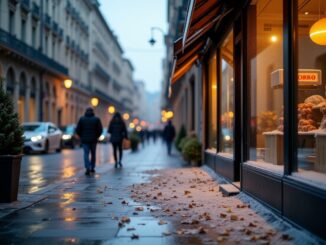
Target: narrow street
[(153, 199)]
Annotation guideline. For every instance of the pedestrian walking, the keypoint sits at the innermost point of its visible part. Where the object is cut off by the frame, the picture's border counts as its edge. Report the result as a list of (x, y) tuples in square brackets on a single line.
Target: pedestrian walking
[(169, 134), (118, 131), (89, 129)]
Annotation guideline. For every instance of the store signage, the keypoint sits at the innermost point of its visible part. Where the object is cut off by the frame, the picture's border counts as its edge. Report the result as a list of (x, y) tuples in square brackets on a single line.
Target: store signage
[(306, 77)]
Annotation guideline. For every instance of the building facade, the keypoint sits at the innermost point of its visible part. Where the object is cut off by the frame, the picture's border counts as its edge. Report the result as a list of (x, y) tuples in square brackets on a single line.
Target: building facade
[(262, 91), (44, 43)]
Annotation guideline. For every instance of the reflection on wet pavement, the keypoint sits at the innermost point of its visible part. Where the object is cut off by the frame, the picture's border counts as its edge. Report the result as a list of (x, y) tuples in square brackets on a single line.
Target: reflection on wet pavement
[(87, 210)]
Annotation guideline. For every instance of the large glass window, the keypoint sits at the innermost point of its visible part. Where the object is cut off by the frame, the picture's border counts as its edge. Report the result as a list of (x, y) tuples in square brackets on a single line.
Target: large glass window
[(265, 77), (212, 102), (227, 97), (311, 90)]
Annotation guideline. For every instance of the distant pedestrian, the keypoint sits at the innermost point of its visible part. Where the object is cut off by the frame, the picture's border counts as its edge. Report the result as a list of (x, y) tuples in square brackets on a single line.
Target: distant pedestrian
[(118, 131), (168, 135), (89, 129)]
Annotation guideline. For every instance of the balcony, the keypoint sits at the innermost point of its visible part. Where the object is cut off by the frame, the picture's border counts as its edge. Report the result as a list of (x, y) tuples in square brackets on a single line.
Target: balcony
[(55, 28), (47, 21), (101, 72), (9, 42), (36, 13), (25, 5)]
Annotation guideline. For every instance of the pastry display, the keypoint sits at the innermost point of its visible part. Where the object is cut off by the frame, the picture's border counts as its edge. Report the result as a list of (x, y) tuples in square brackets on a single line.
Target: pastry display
[(267, 121), (323, 120), (314, 100), (306, 122)]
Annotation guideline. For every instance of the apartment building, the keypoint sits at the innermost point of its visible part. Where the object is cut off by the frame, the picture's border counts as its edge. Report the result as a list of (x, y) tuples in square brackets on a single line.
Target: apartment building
[(44, 43)]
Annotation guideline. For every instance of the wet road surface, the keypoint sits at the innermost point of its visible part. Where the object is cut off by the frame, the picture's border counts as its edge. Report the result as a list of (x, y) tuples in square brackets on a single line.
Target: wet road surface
[(40, 170), (87, 210)]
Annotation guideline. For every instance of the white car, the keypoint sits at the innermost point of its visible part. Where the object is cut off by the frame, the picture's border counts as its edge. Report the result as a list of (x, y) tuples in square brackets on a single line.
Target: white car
[(41, 137)]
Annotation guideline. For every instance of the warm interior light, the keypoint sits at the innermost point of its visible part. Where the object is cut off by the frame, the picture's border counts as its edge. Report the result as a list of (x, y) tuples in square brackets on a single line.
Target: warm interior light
[(126, 116), (214, 87), (138, 128), (317, 32), (67, 83), (131, 125), (111, 109), (163, 113), (169, 114), (274, 39), (306, 13), (94, 101)]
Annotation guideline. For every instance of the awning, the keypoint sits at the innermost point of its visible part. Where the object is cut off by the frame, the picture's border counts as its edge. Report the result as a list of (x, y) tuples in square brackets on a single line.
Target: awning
[(202, 16)]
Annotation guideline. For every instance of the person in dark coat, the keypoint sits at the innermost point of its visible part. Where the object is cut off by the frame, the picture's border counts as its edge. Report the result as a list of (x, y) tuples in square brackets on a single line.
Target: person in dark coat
[(169, 134), (118, 131), (89, 129)]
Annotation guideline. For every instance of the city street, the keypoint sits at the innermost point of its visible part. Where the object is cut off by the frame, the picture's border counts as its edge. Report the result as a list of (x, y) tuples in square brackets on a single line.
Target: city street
[(41, 170), (153, 199)]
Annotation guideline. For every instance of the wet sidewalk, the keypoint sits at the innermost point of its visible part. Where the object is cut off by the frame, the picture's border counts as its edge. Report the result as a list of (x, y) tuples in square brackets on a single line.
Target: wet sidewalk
[(153, 199)]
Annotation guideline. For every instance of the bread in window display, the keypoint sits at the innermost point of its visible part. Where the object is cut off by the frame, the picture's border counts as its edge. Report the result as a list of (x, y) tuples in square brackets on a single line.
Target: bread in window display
[(323, 120), (314, 100), (267, 121), (306, 120)]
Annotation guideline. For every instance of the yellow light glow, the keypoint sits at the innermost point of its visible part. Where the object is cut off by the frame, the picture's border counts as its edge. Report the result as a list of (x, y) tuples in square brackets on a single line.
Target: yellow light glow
[(274, 39), (126, 116), (138, 128), (227, 137), (111, 109), (231, 114), (164, 119), (317, 32), (169, 114), (214, 87), (163, 113), (306, 13), (135, 121), (131, 125), (67, 83), (94, 101)]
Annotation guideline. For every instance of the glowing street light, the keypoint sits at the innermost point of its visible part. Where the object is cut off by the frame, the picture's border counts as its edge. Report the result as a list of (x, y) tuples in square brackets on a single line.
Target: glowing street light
[(111, 109), (94, 101), (138, 128), (126, 116), (67, 83), (131, 125)]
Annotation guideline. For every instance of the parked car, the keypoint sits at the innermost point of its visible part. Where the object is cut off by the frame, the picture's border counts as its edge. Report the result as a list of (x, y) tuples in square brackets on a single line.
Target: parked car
[(41, 137), (104, 138), (69, 137)]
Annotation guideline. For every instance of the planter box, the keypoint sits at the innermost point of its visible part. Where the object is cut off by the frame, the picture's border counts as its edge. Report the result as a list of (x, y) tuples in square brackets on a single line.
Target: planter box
[(9, 178)]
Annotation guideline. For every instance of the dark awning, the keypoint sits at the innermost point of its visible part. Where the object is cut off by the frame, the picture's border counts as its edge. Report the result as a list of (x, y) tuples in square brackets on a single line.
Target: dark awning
[(202, 16)]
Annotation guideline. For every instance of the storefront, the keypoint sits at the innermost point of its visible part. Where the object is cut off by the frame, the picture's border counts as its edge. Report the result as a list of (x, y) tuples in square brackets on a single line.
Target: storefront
[(264, 78)]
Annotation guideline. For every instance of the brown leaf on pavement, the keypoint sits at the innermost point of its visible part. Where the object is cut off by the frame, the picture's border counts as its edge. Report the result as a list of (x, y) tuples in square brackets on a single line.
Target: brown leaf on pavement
[(187, 192), (139, 209), (162, 222), (124, 219), (223, 215), (233, 217)]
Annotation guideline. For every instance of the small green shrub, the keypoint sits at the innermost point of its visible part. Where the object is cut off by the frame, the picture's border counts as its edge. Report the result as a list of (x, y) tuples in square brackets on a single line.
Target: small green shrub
[(181, 134), (11, 133), (134, 141), (192, 150)]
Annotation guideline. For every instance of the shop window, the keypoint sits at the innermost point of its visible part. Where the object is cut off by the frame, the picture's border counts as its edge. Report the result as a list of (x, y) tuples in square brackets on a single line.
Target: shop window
[(227, 97), (265, 78), (311, 92), (212, 102)]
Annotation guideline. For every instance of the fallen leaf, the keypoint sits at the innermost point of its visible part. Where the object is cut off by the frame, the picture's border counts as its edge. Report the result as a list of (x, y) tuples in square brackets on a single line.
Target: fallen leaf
[(223, 215), (286, 237), (131, 229), (124, 219), (187, 192), (234, 217), (124, 202), (162, 222), (139, 209), (252, 225), (201, 230)]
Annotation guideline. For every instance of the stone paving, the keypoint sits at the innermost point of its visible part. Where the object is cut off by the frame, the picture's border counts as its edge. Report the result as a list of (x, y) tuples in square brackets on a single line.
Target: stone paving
[(97, 209)]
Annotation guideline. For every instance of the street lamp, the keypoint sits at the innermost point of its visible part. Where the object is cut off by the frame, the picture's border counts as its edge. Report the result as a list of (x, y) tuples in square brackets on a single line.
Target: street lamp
[(152, 41), (111, 109), (94, 101), (126, 116), (67, 83)]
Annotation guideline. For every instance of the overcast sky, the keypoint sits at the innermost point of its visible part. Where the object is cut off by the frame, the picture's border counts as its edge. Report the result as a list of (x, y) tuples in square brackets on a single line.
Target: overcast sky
[(131, 21)]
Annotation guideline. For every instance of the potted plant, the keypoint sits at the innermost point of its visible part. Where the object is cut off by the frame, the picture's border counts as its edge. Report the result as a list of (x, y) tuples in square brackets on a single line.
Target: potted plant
[(134, 141), (191, 151), (11, 144), (181, 135)]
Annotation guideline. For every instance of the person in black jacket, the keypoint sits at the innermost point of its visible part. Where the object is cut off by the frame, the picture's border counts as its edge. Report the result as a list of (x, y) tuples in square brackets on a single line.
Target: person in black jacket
[(118, 131), (168, 135), (89, 128)]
